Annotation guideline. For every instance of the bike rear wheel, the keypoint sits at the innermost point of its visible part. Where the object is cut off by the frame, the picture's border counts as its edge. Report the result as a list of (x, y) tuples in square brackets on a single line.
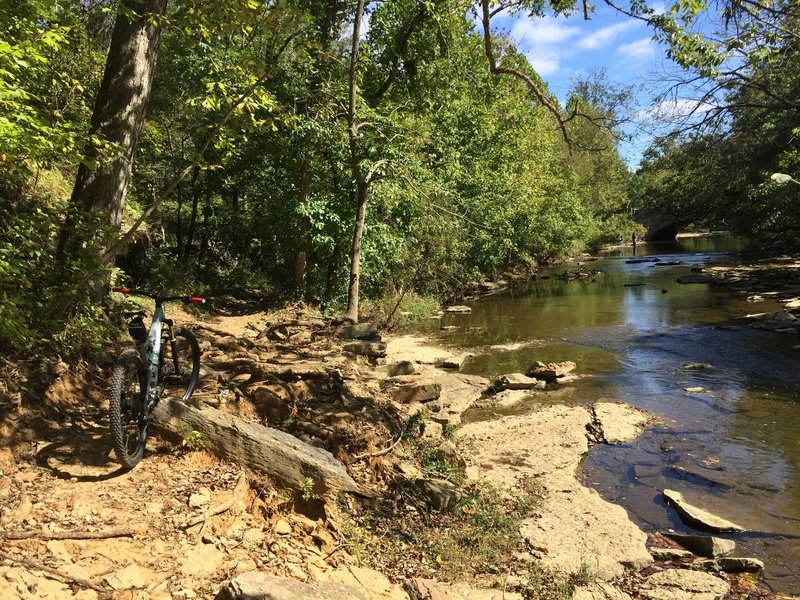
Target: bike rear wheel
[(180, 363), (127, 408)]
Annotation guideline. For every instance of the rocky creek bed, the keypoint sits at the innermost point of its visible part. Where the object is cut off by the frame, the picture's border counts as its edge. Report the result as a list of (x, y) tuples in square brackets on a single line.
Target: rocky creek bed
[(189, 523)]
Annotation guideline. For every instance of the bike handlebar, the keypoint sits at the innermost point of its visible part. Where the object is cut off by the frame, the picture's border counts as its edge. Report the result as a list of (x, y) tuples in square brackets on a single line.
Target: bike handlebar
[(157, 298)]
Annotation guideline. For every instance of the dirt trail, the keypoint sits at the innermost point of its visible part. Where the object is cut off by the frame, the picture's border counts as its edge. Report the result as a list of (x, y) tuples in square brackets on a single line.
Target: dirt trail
[(57, 474)]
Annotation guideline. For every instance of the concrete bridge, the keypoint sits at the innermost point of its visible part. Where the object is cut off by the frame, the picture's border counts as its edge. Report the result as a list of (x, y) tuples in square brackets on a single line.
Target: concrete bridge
[(662, 227)]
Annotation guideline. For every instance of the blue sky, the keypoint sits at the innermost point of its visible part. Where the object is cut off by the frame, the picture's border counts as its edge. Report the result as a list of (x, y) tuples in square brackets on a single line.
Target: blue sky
[(561, 48)]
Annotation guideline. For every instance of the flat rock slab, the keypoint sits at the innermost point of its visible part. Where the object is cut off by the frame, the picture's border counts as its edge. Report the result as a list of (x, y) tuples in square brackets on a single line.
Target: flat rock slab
[(683, 584), (420, 588), (518, 381), (259, 586), (415, 349), (599, 591), (458, 392), (620, 423), (371, 583), (577, 528), (698, 516)]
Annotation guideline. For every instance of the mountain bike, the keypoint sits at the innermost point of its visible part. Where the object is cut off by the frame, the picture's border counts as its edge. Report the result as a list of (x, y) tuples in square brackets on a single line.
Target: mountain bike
[(165, 357)]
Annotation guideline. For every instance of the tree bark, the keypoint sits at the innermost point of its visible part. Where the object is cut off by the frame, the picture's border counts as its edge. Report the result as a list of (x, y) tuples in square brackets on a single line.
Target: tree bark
[(362, 185), (100, 190)]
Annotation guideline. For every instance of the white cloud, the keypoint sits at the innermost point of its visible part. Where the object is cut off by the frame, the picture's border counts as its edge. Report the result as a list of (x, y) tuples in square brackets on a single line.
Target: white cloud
[(639, 49), (544, 65), (542, 32), (603, 37), (544, 41), (677, 109)]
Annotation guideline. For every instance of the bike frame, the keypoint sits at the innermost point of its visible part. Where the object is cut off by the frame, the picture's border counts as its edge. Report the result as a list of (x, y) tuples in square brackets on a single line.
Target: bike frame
[(150, 348)]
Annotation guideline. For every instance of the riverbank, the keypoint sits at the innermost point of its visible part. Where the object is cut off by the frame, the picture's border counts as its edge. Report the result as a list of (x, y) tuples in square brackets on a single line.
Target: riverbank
[(427, 528)]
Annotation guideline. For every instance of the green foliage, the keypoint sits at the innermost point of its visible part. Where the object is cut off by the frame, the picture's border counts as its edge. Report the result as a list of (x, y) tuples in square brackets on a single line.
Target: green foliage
[(191, 439)]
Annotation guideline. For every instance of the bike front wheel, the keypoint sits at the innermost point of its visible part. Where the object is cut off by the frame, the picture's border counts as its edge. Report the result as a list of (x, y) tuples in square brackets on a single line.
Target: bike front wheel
[(180, 363), (127, 408)]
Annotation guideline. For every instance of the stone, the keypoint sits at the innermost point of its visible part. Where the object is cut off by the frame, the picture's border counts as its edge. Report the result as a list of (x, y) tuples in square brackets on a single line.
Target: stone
[(462, 591), (669, 554), (695, 278), (403, 367), (359, 331), (447, 452), (259, 586), (732, 564), (509, 398), (200, 498), (432, 431), (698, 516), (458, 309), (619, 423), (683, 584), (373, 584), (442, 494), (698, 366), (703, 545), (458, 394), (599, 591), (518, 381), (132, 576), (282, 527), (427, 589), (201, 561), (418, 392), (366, 348), (575, 527), (550, 371), (455, 361)]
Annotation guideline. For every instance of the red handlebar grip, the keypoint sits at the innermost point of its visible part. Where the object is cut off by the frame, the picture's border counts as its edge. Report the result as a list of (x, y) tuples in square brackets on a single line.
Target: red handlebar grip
[(121, 290), (196, 300)]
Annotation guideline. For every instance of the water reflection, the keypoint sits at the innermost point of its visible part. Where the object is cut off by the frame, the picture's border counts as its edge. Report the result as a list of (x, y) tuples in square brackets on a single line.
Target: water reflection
[(730, 446)]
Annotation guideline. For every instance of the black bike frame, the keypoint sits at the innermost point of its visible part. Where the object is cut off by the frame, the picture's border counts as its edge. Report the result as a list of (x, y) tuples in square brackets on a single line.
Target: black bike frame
[(150, 351), (150, 348)]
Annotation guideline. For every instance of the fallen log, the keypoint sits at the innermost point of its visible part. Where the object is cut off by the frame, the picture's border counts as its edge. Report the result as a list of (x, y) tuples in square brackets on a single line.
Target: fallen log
[(276, 453)]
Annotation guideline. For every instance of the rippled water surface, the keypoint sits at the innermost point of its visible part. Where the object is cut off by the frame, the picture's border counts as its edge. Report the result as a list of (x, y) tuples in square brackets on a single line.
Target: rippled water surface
[(733, 448)]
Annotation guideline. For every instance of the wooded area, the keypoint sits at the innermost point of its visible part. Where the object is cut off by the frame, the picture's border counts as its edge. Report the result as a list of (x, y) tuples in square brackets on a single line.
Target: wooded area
[(333, 151)]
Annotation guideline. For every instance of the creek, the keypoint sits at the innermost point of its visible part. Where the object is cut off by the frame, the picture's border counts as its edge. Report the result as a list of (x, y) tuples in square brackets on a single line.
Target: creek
[(730, 445)]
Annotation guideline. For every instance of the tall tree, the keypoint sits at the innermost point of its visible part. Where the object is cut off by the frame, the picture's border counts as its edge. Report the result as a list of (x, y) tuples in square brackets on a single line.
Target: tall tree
[(102, 181)]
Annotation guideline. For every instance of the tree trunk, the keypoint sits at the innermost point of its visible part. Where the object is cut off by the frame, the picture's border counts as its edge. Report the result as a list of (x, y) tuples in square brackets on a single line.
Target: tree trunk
[(301, 256), (187, 249), (362, 185), (100, 190)]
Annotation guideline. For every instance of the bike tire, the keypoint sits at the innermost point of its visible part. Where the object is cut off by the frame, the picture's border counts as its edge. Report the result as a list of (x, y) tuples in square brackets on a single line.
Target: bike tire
[(127, 408), (185, 378)]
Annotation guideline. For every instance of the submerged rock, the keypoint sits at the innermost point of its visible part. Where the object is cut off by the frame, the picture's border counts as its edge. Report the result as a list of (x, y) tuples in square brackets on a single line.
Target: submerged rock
[(698, 516), (703, 545), (458, 309)]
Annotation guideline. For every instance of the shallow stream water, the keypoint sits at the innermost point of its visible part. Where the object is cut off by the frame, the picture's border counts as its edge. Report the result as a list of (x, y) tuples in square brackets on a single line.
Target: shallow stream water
[(733, 449)]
